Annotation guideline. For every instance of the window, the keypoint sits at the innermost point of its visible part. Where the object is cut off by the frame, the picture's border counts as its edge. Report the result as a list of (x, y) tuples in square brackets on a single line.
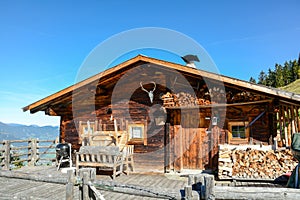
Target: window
[(137, 134), (238, 132)]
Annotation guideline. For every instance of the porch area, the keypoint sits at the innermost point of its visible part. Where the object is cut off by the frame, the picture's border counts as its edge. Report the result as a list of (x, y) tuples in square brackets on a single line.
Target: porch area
[(45, 182)]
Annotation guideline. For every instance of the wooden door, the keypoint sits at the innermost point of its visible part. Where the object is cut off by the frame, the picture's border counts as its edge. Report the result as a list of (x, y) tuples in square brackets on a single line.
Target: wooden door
[(187, 148)]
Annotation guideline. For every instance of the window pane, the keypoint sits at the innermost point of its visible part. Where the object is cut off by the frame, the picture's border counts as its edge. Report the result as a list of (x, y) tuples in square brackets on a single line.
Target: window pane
[(238, 131), (242, 132), (136, 132)]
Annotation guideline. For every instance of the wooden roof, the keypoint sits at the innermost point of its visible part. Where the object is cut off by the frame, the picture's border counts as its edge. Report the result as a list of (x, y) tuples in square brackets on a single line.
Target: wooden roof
[(66, 94)]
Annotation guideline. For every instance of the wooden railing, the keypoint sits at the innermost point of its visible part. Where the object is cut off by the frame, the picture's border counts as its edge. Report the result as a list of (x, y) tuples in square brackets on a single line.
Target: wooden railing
[(89, 186), (17, 153)]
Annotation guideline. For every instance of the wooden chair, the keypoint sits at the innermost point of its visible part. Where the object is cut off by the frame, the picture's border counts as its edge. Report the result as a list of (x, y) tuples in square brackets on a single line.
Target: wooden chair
[(97, 135), (86, 129), (128, 158)]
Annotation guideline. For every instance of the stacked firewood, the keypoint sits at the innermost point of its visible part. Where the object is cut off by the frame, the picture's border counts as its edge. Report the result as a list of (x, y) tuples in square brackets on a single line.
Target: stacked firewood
[(183, 99), (225, 164), (217, 95), (213, 95), (255, 164), (169, 99), (186, 99), (243, 97)]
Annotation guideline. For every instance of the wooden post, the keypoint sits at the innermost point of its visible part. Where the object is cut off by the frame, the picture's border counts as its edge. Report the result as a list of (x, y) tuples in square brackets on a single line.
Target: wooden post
[(201, 187), (70, 186), (285, 127), (188, 192), (191, 190), (209, 187), (298, 118), (191, 179), (6, 155), (87, 175), (293, 119), (181, 148), (199, 180), (281, 123), (251, 139), (33, 152), (275, 144), (289, 126), (210, 149), (167, 148), (85, 186)]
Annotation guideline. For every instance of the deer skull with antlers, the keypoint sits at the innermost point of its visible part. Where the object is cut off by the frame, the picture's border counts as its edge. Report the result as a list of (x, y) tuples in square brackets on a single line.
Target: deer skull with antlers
[(150, 93)]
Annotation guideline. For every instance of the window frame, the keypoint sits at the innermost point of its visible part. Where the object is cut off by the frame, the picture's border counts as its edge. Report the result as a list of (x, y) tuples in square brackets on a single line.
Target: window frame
[(232, 139), (137, 140)]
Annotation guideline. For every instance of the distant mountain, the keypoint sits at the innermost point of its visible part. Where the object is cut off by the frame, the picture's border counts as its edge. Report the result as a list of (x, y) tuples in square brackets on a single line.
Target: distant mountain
[(20, 132)]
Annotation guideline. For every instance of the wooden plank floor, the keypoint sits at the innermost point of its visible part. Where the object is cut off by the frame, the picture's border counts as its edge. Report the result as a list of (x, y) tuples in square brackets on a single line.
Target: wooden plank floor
[(12, 188), (25, 189)]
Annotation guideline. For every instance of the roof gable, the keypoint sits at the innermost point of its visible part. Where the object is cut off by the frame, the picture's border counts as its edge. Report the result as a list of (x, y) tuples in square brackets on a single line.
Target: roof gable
[(67, 92)]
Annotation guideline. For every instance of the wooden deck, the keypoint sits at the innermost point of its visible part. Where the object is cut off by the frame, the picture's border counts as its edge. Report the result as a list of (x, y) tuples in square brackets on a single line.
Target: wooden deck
[(20, 188), (15, 186)]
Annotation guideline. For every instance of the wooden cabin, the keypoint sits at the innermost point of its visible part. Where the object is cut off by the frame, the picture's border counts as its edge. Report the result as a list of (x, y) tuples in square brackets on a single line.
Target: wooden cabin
[(191, 113)]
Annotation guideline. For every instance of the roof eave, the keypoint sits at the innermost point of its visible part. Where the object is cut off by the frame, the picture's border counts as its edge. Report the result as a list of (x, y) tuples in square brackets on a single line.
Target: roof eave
[(175, 66)]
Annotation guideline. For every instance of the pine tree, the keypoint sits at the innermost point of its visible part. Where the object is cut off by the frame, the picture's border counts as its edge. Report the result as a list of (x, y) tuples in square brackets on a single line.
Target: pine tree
[(279, 75), (271, 78), (262, 78), (286, 73), (252, 80), (295, 70), (298, 64)]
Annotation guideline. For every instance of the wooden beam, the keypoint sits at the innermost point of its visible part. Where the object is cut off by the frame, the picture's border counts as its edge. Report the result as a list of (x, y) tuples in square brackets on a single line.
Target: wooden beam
[(50, 111), (220, 105), (290, 97), (227, 192)]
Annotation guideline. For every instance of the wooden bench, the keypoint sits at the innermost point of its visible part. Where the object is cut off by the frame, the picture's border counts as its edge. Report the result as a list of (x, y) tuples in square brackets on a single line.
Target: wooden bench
[(103, 157)]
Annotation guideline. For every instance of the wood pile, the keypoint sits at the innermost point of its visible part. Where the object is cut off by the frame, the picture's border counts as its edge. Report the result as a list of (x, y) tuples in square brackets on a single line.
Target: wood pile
[(243, 97), (213, 95), (217, 95), (169, 99), (254, 164), (183, 99), (186, 99), (225, 164)]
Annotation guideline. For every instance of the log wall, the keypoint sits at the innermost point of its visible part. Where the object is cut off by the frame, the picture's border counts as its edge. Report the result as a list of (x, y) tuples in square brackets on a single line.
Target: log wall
[(190, 140), (150, 156), (194, 140)]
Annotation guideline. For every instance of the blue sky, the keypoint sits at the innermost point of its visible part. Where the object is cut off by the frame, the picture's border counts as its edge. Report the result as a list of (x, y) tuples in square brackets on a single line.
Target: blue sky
[(44, 43)]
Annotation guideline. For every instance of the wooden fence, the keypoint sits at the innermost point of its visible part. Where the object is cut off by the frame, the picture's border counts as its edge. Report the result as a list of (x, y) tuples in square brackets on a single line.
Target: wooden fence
[(202, 186), (14, 153), (85, 182), (89, 187)]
